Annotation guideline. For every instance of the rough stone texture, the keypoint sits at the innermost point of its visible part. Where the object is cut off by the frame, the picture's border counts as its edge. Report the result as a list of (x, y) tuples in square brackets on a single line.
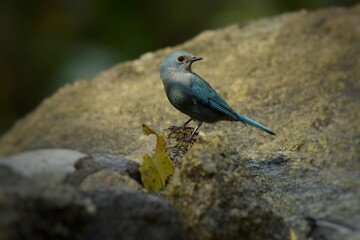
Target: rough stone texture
[(331, 230), (50, 166), (297, 73), (101, 171), (87, 172), (176, 143), (133, 215), (106, 178), (217, 200), (30, 211)]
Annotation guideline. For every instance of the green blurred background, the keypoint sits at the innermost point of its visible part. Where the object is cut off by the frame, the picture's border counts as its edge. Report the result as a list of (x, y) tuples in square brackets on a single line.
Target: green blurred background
[(46, 44)]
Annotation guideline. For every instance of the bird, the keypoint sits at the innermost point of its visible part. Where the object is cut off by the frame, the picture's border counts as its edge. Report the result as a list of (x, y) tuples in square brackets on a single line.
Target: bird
[(189, 93)]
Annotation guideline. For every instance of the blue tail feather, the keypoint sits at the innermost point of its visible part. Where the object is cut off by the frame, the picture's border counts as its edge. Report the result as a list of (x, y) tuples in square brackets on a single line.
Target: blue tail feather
[(253, 123)]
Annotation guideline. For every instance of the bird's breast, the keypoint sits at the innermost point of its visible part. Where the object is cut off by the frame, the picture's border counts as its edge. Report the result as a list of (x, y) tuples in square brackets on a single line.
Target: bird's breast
[(178, 95)]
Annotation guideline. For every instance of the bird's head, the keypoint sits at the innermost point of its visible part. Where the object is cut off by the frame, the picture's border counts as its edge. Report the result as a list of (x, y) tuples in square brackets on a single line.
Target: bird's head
[(178, 61)]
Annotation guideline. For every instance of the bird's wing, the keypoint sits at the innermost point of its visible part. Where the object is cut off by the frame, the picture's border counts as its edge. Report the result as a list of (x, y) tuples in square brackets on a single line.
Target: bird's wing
[(204, 94)]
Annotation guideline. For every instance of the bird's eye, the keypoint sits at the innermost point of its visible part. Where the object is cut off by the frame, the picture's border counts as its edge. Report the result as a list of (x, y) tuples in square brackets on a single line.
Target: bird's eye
[(180, 59)]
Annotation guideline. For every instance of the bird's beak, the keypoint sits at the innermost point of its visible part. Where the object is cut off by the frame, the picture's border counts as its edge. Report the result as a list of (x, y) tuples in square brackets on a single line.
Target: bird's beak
[(194, 59)]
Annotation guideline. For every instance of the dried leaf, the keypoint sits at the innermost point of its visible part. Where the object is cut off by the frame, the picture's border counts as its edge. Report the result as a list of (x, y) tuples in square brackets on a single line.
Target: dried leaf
[(292, 234), (155, 170)]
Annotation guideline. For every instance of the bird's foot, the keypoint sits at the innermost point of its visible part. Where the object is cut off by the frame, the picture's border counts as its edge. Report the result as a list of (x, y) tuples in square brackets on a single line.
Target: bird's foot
[(188, 139), (183, 132), (191, 138), (176, 128)]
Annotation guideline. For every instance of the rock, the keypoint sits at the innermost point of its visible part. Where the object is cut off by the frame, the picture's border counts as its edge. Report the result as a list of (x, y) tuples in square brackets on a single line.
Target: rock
[(48, 166), (100, 171), (30, 211), (106, 178), (88, 172), (133, 215), (216, 199), (324, 228), (297, 73), (176, 144)]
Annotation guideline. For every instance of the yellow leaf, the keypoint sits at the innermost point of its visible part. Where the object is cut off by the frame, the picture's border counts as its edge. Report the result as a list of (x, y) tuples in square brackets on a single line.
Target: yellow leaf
[(155, 170), (292, 235)]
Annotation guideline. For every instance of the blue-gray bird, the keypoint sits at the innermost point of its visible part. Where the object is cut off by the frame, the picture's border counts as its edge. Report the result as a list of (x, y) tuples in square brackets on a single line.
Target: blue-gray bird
[(191, 94)]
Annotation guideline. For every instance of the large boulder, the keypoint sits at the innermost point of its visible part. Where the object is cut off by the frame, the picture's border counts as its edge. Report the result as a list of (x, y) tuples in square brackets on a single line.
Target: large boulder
[(33, 210), (297, 73)]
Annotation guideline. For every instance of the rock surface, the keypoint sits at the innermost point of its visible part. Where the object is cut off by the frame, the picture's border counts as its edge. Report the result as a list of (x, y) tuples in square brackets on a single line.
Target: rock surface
[(133, 215), (50, 166), (30, 210), (102, 171), (217, 200), (297, 73)]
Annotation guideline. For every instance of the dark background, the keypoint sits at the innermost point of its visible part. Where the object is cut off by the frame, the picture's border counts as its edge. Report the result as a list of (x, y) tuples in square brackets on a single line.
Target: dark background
[(46, 44)]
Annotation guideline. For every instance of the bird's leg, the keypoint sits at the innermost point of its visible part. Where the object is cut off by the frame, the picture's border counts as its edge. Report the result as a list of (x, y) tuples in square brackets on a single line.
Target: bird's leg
[(182, 126), (186, 123), (195, 130)]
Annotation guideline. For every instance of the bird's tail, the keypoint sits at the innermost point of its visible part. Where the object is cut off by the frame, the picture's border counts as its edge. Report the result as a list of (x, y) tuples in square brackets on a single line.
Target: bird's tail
[(253, 123)]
